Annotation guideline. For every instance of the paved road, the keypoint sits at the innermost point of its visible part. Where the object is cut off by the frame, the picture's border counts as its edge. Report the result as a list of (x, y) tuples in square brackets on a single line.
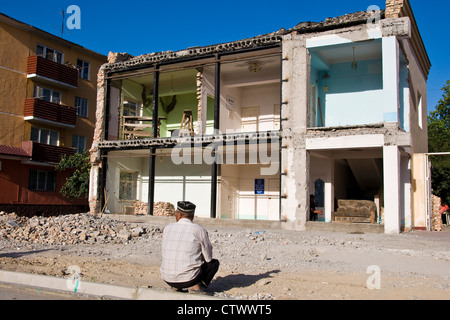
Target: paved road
[(12, 292)]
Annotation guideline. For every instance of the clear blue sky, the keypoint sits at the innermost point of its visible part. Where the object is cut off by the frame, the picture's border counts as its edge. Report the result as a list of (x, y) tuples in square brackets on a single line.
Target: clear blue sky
[(140, 27)]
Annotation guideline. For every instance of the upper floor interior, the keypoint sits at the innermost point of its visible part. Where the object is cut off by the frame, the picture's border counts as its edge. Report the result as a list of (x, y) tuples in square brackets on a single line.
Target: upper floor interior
[(249, 88), (364, 74)]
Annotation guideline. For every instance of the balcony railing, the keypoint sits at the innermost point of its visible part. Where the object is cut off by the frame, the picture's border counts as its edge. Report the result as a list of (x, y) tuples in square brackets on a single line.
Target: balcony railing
[(46, 153), (44, 111), (52, 72)]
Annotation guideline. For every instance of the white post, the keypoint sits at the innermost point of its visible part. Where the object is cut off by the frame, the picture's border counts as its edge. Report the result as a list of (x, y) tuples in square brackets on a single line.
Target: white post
[(391, 69), (391, 163), (329, 191)]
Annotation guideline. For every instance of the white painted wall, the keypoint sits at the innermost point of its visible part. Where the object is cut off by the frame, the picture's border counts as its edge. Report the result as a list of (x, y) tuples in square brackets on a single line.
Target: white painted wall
[(192, 183), (238, 182), (172, 182)]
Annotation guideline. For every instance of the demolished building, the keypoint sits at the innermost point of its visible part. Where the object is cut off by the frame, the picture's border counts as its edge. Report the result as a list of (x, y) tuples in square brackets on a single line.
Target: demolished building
[(249, 129)]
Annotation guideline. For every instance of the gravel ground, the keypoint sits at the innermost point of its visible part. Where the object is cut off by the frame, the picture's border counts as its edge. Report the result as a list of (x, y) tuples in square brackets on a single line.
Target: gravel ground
[(259, 264)]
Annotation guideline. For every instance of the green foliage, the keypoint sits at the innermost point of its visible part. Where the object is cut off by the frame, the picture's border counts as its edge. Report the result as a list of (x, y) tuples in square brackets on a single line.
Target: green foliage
[(439, 124), (439, 141), (77, 185)]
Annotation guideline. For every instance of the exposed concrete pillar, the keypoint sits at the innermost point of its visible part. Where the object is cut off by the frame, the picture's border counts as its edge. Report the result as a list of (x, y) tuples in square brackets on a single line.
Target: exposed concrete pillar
[(391, 173), (295, 96), (96, 163), (391, 81)]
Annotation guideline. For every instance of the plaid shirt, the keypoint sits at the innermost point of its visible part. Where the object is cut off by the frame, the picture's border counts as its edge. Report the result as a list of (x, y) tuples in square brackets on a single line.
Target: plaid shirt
[(185, 247)]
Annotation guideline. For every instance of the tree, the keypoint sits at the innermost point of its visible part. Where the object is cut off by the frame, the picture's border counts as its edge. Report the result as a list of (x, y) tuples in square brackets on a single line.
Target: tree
[(439, 141), (77, 185)]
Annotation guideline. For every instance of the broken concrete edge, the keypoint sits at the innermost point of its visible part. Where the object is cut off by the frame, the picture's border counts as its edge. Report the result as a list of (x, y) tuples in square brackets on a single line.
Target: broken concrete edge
[(120, 61), (91, 289), (227, 138)]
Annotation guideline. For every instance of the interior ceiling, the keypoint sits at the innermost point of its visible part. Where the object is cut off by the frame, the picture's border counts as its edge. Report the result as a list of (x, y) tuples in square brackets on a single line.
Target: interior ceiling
[(365, 163), (367, 50), (234, 71)]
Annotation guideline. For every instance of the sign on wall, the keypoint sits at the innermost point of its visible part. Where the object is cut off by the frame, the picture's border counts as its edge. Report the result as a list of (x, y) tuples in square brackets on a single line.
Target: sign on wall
[(259, 186)]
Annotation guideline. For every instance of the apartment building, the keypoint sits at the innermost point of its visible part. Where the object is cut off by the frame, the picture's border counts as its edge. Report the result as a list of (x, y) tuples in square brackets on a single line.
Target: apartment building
[(47, 109), (251, 128)]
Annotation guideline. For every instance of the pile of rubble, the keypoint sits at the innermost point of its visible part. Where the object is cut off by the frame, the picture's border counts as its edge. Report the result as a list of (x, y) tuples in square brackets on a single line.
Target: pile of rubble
[(436, 217), (72, 229), (159, 208)]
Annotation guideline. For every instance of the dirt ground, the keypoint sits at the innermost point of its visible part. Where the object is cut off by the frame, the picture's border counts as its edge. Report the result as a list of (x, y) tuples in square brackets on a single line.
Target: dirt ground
[(265, 264)]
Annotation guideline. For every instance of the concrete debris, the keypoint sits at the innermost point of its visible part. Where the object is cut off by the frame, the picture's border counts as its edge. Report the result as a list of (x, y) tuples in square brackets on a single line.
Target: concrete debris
[(361, 211), (159, 208), (436, 217), (72, 229), (114, 57)]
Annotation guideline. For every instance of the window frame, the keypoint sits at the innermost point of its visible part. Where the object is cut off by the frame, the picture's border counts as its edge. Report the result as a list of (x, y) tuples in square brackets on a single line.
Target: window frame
[(77, 145), (39, 93), (126, 109), (82, 106), (49, 136), (84, 66), (124, 184), (42, 180), (45, 53)]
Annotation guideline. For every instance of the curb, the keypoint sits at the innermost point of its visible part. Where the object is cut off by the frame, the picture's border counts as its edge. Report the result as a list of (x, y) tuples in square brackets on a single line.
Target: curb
[(67, 285)]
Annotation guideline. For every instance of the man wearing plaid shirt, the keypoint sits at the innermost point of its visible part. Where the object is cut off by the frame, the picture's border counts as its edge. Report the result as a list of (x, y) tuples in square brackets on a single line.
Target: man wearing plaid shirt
[(187, 261)]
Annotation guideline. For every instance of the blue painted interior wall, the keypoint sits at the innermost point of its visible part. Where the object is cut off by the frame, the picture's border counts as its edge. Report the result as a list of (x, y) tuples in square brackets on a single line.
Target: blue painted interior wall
[(354, 97)]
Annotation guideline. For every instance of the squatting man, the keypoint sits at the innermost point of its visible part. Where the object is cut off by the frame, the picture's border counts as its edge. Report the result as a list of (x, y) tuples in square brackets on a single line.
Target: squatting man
[(187, 258)]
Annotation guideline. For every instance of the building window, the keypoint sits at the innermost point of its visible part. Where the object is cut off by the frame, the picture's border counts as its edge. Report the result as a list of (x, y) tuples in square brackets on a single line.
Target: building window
[(44, 136), (128, 185), (49, 53), (79, 143), (130, 108), (47, 94), (82, 107), (83, 69), (42, 180), (420, 112)]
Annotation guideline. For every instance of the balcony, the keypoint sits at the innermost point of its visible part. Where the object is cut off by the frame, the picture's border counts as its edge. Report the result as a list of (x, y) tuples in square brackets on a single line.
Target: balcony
[(52, 73), (46, 153), (50, 113)]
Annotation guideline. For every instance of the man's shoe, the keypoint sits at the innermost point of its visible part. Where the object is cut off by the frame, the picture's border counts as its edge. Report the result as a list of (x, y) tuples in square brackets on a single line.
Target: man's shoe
[(197, 289)]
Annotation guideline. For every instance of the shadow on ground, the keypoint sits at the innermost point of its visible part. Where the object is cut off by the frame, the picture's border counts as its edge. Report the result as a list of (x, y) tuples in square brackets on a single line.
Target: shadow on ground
[(238, 280), (20, 254)]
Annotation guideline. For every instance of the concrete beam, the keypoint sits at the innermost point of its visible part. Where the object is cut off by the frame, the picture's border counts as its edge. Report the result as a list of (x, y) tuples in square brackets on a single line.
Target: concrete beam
[(343, 142)]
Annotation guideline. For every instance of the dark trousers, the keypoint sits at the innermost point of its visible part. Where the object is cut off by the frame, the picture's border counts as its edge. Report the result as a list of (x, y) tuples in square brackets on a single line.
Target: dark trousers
[(207, 272)]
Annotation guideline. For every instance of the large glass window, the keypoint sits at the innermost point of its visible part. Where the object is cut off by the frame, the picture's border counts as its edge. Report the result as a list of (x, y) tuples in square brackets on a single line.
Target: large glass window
[(128, 185)]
